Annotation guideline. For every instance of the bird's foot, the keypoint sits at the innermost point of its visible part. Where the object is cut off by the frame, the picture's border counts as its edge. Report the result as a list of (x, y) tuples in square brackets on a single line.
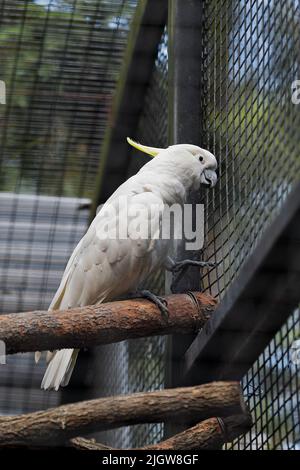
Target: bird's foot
[(180, 265), (178, 268), (159, 301)]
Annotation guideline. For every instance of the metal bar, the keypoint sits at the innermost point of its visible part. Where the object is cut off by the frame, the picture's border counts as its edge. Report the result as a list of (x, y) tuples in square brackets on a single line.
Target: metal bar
[(146, 30), (185, 50), (184, 55), (255, 306), (184, 31)]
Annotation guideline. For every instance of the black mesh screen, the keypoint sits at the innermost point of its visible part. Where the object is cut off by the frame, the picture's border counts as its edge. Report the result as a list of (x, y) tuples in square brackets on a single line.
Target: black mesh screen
[(272, 390), (251, 58), (59, 60)]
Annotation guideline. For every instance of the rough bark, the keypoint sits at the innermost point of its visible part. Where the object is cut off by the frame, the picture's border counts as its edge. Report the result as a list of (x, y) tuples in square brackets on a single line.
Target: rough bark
[(188, 404), (209, 434), (102, 324), (81, 443)]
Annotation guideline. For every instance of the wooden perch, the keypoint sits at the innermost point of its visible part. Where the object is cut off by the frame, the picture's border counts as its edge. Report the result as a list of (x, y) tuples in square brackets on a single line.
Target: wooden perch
[(102, 324), (209, 434), (58, 425), (81, 443)]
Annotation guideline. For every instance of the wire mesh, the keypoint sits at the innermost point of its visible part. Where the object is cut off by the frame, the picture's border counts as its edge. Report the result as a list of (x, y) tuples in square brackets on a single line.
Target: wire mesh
[(251, 58), (34, 247), (60, 60), (272, 390)]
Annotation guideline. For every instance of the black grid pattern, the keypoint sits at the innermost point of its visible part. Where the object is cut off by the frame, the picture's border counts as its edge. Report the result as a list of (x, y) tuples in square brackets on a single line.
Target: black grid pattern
[(36, 239), (60, 60), (272, 389), (251, 57)]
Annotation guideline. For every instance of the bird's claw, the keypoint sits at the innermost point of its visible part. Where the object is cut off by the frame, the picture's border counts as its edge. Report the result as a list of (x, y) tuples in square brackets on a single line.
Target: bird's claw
[(159, 301), (179, 265)]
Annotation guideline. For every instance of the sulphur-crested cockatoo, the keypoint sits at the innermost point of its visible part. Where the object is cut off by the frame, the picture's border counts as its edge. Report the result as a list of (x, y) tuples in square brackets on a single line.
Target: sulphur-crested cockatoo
[(104, 265)]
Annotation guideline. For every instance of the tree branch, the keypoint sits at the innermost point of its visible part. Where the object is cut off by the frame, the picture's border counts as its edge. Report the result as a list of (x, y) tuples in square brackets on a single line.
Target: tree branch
[(209, 434), (102, 324), (186, 404), (81, 443)]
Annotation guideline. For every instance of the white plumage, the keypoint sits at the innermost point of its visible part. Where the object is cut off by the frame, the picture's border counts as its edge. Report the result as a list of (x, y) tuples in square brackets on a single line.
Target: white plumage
[(103, 267)]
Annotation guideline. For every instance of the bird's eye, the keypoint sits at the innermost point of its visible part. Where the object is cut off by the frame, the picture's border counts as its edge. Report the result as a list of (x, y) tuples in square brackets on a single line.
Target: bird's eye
[(201, 158)]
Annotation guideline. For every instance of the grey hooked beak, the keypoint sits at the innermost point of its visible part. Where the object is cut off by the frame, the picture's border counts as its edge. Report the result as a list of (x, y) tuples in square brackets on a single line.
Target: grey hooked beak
[(209, 178)]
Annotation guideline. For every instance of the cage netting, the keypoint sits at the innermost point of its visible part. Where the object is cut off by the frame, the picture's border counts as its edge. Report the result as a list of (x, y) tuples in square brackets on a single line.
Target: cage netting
[(60, 60), (251, 58)]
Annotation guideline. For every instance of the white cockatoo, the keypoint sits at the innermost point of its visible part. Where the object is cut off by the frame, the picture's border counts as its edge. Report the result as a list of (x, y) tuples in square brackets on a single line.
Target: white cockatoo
[(104, 266)]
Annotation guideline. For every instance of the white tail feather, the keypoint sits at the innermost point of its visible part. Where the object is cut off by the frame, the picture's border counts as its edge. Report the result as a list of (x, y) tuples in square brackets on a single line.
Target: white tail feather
[(59, 369), (37, 356), (49, 356)]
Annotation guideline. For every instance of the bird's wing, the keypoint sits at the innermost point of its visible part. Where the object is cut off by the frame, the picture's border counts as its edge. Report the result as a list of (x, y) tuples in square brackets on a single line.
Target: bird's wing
[(103, 265), (125, 188), (56, 301)]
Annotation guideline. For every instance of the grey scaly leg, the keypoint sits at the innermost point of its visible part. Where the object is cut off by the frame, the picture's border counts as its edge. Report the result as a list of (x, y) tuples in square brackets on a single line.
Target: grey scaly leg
[(179, 267), (159, 301)]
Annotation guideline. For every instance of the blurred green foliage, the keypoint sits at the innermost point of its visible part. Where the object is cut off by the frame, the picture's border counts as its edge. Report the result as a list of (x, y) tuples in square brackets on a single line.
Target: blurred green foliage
[(60, 61)]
